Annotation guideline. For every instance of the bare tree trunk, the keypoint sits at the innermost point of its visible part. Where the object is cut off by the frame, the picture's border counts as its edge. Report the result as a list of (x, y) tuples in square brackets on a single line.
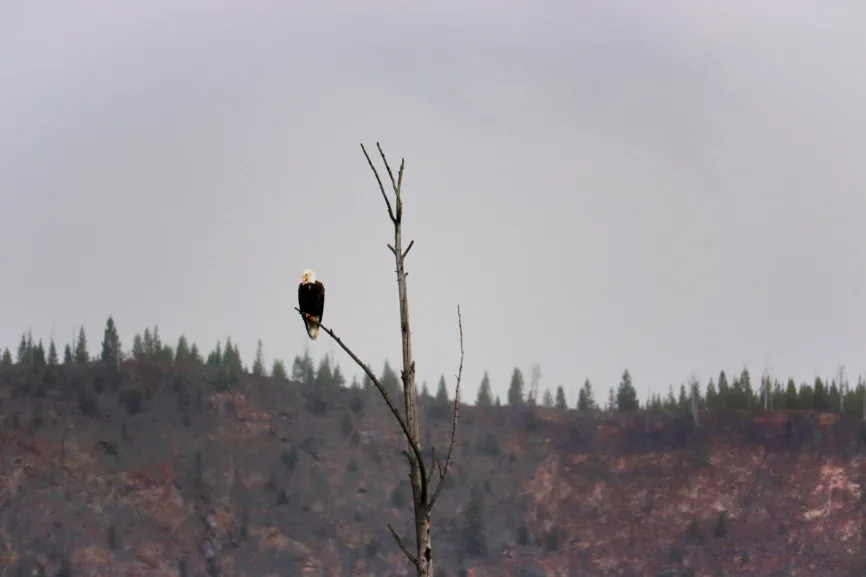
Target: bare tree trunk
[(423, 498)]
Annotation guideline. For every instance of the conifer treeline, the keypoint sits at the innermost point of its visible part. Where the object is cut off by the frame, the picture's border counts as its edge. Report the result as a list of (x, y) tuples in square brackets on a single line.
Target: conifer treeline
[(739, 393)]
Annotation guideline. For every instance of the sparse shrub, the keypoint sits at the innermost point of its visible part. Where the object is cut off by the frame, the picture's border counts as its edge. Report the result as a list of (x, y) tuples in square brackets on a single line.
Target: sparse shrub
[(522, 534), (489, 445), (132, 400), (112, 537), (88, 405), (316, 404), (398, 497), (474, 538), (290, 458), (553, 539), (356, 403), (721, 529), (694, 530), (355, 438), (346, 426), (352, 467), (373, 548)]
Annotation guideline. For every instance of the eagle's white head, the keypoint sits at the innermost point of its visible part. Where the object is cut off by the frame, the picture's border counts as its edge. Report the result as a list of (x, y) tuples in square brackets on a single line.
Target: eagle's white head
[(309, 277)]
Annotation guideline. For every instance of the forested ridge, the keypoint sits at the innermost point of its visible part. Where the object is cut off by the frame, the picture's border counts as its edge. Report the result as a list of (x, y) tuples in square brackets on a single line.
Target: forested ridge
[(740, 391)]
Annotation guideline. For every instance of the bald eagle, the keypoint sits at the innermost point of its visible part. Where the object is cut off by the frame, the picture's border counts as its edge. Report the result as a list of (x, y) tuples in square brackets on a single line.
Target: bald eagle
[(311, 302)]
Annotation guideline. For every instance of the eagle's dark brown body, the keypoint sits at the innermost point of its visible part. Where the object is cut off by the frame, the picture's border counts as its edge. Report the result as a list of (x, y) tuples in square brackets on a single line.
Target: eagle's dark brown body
[(311, 301)]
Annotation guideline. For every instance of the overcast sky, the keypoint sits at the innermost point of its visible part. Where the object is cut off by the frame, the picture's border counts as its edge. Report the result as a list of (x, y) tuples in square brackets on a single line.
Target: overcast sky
[(661, 186)]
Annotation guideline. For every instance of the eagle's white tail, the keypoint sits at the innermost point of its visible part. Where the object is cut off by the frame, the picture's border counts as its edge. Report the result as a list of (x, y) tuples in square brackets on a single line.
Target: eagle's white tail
[(312, 329)]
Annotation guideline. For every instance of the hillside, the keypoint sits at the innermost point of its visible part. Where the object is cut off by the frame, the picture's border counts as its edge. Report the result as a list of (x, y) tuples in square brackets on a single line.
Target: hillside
[(151, 471)]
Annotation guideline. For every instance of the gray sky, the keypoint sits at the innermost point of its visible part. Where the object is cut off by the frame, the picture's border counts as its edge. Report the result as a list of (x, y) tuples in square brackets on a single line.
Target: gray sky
[(661, 186)]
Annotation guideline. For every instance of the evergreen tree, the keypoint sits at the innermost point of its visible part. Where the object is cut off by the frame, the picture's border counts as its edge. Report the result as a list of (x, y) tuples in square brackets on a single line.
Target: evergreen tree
[(214, 358), (748, 391), (367, 383), (22, 355), (355, 383), (389, 380), (52, 354), (39, 354), (6, 360), (515, 389), (67, 355), (498, 402), (259, 363), (626, 394), (611, 400), (324, 376), (724, 391), (156, 343), (474, 538), (441, 391), (561, 403), (585, 398), (81, 354), (821, 396), (683, 399), (147, 350), (182, 353), (195, 354), (485, 395), (790, 402), (712, 396), (279, 370), (547, 398), (138, 347), (303, 370), (337, 378), (425, 392), (806, 397), (232, 357), (110, 343)]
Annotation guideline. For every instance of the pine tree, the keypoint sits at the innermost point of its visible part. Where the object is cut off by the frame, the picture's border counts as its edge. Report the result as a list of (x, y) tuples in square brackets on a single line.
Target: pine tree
[(7, 358), (147, 350), (303, 370), (611, 400), (81, 354), (515, 389), (22, 355), (498, 402), (39, 354), (181, 351), (724, 391), (561, 403), (441, 391), (337, 378), (355, 383), (214, 358), (195, 354), (547, 398), (138, 352), (485, 395), (425, 392), (110, 343), (156, 343), (259, 363), (585, 398), (712, 396), (324, 375), (67, 355), (791, 402), (279, 370), (626, 394), (389, 380), (52, 353)]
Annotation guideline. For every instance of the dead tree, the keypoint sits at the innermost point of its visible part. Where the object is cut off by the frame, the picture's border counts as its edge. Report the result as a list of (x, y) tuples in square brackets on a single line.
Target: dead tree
[(424, 491)]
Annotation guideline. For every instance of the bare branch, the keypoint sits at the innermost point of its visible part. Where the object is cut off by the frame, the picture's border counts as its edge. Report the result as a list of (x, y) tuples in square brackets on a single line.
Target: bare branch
[(388, 168), (443, 471), (381, 186), (392, 249), (415, 449), (400, 544), (408, 248)]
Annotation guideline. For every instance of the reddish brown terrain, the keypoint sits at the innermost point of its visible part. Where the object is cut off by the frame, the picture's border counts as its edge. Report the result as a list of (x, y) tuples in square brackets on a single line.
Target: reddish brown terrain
[(151, 472)]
